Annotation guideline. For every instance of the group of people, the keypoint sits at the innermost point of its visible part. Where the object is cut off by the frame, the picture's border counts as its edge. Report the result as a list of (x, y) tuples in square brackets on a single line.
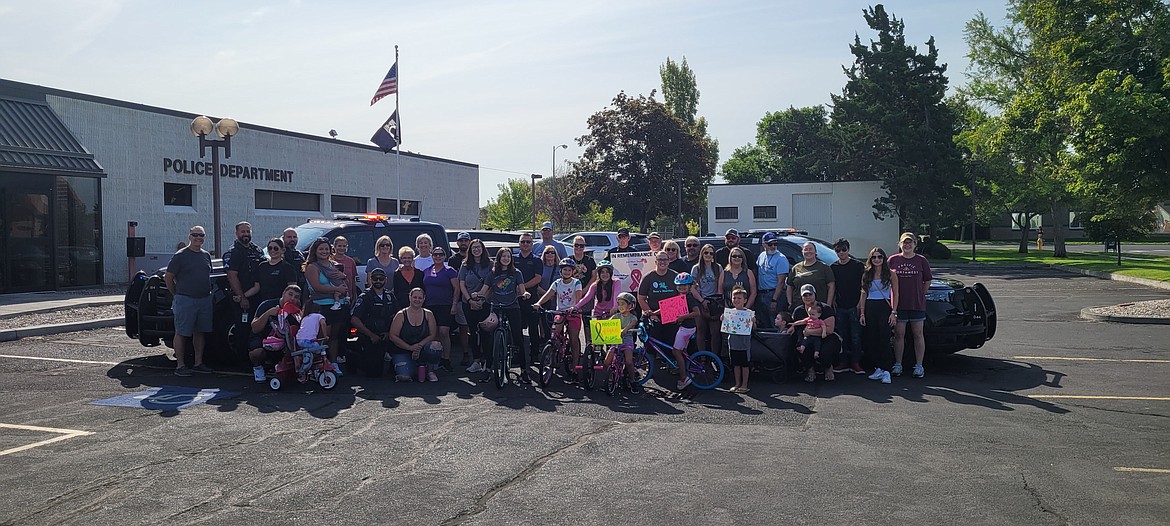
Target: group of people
[(418, 299)]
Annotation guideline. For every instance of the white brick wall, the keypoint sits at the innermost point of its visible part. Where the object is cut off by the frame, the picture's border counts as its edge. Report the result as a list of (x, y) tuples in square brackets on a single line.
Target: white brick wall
[(132, 143)]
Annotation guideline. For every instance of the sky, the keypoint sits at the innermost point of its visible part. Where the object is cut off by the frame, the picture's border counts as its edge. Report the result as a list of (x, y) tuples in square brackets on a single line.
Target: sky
[(499, 84)]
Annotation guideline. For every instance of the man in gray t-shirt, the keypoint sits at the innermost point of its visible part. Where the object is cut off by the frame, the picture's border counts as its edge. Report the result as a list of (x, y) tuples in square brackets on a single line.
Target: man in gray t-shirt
[(188, 279)]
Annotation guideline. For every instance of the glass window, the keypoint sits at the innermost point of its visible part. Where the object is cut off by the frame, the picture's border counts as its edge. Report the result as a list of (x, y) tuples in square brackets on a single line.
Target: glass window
[(1018, 218), (388, 206), (276, 200), (1076, 220), (176, 194), (410, 208), (764, 212), (726, 213), (77, 223), (345, 203)]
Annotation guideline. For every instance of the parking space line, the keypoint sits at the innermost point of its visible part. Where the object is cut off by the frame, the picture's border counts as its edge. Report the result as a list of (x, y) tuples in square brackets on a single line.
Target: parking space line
[(1102, 397), (1076, 359), (1141, 470), (95, 362), (65, 434)]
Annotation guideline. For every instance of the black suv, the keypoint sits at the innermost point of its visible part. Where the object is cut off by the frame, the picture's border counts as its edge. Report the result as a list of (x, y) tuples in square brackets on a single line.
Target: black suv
[(149, 318)]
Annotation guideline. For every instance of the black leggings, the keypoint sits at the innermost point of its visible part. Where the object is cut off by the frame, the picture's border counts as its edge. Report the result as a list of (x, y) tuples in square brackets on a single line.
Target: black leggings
[(875, 335), (474, 335)]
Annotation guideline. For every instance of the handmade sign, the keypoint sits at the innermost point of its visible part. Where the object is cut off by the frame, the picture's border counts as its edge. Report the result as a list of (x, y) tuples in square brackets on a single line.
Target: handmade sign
[(671, 308), (737, 321), (608, 332), (628, 268)]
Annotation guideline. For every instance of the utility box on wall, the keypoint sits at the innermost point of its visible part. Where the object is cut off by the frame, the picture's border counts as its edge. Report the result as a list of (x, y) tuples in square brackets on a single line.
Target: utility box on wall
[(135, 247)]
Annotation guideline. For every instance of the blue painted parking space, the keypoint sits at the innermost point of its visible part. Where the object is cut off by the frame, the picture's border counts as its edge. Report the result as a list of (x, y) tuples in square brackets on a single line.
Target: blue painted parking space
[(167, 397)]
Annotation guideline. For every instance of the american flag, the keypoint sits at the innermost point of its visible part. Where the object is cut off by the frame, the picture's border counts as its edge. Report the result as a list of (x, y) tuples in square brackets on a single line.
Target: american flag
[(389, 84)]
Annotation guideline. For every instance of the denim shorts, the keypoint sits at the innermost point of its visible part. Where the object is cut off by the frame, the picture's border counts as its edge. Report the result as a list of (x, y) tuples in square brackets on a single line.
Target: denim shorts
[(191, 314), (911, 315)]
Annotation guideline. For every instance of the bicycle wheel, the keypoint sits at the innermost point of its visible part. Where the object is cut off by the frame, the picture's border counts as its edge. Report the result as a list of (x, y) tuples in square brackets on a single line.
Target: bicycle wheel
[(705, 370), (548, 363), (499, 360), (586, 376), (643, 366), (613, 378)]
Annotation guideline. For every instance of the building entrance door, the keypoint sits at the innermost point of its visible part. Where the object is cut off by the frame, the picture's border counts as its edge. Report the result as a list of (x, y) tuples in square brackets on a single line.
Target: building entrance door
[(26, 244)]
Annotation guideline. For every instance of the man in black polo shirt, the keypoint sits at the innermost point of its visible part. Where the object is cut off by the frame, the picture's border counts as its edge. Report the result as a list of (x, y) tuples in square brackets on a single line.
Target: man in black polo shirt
[(241, 263), (529, 265), (372, 313), (731, 240)]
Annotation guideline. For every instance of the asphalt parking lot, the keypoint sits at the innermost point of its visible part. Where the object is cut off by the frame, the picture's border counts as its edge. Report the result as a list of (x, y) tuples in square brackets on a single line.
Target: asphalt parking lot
[(1055, 421)]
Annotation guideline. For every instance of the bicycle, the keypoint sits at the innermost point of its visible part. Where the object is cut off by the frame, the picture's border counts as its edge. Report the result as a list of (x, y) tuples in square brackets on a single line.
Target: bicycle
[(502, 348), (704, 368), (557, 350)]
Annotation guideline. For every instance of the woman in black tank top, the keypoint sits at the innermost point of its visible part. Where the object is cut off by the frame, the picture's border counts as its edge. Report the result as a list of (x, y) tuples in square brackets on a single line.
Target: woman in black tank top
[(414, 334)]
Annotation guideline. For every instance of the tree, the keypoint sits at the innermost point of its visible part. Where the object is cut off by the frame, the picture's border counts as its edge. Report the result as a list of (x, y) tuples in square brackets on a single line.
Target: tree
[(512, 209), (680, 90), (751, 164), (794, 145), (637, 157), (893, 125), (1082, 91)]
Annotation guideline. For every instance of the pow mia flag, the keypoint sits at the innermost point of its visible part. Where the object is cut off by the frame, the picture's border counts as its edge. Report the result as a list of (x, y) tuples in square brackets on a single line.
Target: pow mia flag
[(387, 137)]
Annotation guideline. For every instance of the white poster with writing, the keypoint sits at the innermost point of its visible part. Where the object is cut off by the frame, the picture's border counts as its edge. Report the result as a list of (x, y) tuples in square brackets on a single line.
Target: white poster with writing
[(628, 268)]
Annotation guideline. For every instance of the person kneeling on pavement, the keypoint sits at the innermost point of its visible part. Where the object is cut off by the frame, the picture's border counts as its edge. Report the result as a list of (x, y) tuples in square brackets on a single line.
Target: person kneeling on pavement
[(415, 334), (269, 331), (373, 313)]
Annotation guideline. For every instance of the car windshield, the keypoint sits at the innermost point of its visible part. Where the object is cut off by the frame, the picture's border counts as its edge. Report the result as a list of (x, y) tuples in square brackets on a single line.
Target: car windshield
[(824, 252), (306, 233)]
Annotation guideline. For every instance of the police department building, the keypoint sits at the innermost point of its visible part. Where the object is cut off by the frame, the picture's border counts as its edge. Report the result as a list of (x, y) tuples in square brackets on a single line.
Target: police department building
[(76, 171)]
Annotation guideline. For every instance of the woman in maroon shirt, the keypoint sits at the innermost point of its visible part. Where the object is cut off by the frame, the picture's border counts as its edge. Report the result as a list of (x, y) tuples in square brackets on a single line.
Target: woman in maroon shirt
[(909, 299)]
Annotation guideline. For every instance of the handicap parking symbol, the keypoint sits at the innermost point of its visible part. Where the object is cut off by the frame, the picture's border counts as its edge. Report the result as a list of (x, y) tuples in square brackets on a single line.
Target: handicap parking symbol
[(166, 398)]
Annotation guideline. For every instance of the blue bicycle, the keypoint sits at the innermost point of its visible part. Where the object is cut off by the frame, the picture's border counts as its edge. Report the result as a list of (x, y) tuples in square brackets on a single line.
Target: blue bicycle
[(704, 368)]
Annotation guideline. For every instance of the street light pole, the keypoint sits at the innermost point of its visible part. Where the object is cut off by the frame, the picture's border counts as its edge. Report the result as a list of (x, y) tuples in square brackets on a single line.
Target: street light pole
[(534, 178), (553, 174), (202, 127)]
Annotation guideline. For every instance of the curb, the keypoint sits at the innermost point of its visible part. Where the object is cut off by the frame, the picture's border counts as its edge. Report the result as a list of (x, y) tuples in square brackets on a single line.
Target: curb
[(44, 310), (1152, 283), (44, 330), (1086, 313)]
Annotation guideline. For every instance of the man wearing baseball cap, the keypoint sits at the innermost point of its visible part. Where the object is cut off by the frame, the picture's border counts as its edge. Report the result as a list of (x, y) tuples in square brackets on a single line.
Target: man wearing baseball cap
[(463, 240), (771, 298), (372, 313), (731, 240), (623, 238), (655, 241), (546, 238)]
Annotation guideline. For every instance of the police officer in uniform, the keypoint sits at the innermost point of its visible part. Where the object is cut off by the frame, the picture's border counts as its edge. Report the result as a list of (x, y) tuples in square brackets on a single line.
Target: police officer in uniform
[(372, 313)]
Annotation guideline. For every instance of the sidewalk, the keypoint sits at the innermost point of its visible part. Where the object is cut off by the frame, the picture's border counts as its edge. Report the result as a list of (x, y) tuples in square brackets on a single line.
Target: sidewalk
[(20, 305)]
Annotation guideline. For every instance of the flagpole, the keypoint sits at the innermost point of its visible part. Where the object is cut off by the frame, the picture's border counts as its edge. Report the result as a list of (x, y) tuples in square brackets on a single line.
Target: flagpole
[(398, 147)]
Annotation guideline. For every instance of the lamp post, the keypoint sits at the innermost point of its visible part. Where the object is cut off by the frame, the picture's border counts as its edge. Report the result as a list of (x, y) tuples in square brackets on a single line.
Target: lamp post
[(201, 127), (534, 178), (554, 173)]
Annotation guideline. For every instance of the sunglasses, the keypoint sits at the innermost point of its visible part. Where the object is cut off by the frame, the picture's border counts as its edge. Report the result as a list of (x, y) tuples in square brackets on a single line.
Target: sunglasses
[(692, 246), (842, 251), (662, 260), (437, 254), (582, 245), (274, 248), (378, 278), (384, 245), (197, 234), (672, 250), (708, 253), (526, 242), (737, 257), (877, 257)]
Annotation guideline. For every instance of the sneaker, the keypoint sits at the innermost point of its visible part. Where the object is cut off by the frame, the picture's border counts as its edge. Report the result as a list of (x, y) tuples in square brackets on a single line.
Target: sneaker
[(877, 374), (636, 388), (684, 383), (841, 369), (743, 390), (733, 390), (337, 370), (919, 372), (465, 361), (387, 357), (336, 306), (182, 371), (897, 370), (201, 368), (258, 374), (885, 377), (445, 365), (402, 378), (524, 379), (476, 367), (341, 358), (856, 368), (432, 377)]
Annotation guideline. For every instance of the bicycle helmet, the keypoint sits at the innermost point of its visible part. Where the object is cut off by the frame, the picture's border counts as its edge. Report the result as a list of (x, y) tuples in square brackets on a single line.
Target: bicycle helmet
[(684, 278), (628, 298), (568, 262), (606, 265)]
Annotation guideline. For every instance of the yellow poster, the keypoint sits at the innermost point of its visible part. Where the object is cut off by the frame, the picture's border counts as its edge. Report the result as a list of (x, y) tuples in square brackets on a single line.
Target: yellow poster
[(608, 332)]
